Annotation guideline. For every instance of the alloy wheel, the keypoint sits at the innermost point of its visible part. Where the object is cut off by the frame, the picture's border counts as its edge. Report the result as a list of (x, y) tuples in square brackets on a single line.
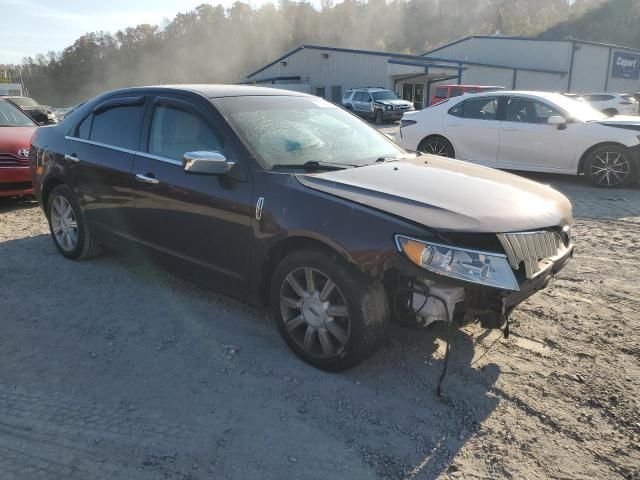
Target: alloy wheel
[(315, 312), (437, 148), (610, 169), (64, 224)]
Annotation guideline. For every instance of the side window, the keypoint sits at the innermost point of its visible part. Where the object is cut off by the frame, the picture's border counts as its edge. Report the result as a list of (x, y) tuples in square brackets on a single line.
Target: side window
[(366, 97), (523, 110), (441, 92), (456, 91), (458, 110), (118, 126), (543, 112), (484, 108), (175, 132), (84, 128)]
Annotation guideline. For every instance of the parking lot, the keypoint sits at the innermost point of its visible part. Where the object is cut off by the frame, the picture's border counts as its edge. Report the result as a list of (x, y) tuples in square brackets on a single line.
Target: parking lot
[(113, 368)]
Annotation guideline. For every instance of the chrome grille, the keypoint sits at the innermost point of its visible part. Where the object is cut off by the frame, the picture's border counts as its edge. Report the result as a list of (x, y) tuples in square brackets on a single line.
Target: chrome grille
[(401, 107), (8, 160), (531, 248)]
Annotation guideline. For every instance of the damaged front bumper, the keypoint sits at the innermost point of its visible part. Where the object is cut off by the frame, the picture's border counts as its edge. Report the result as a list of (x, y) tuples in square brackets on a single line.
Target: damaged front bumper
[(421, 298)]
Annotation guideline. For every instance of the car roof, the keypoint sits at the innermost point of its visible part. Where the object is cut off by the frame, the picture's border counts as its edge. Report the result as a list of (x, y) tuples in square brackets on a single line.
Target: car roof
[(448, 85), (507, 93), (217, 91), (369, 89)]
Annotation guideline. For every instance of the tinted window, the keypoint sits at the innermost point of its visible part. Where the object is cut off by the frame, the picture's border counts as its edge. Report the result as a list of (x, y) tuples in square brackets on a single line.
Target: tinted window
[(366, 97), (175, 132), (484, 108), (441, 92), (385, 95), (84, 128), (523, 110), (118, 126)]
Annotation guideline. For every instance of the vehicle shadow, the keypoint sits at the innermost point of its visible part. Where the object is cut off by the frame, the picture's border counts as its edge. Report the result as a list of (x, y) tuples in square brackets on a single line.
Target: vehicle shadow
[(8, 204), (124, 330)]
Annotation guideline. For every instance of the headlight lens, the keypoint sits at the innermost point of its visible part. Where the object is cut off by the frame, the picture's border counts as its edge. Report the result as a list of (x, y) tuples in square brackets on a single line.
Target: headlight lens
[(388, 107), (491, 269)]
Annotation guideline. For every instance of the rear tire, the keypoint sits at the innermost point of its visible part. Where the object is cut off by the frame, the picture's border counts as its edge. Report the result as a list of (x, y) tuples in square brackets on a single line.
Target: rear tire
[(69, 229), (609, 166), (330, 314), (437, 145)]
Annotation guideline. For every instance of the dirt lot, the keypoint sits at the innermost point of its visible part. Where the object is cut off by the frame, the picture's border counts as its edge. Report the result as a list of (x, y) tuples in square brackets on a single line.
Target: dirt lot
[(114, 369)]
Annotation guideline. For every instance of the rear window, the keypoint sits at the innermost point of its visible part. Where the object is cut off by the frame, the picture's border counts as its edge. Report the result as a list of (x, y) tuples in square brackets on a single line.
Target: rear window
[(456, 91), (24, 102), (598, 98), (10, 116), (118, 126), (441, 92)]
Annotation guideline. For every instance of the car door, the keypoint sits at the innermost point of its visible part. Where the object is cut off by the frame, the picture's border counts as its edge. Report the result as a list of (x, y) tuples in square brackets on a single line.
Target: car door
[(357, 102), (199, 223), (474, 129), (99, 154), (528, 141)]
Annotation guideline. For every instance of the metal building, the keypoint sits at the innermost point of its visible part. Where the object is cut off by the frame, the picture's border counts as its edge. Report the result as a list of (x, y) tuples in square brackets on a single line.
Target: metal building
[(511, 62)]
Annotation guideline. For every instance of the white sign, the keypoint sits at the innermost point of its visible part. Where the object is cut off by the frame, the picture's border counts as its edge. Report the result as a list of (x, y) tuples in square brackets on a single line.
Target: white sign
[(10, 89)]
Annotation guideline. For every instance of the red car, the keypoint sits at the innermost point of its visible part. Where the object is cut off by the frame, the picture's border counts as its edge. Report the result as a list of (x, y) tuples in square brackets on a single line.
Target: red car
[(442, 92), (16, 130)]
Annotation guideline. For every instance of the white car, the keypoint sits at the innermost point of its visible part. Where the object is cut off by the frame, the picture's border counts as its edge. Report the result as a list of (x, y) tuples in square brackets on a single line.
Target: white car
[(532, 131), (612, 103)]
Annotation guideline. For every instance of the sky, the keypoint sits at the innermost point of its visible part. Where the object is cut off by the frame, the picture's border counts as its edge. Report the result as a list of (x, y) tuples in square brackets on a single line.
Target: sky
[(29, 27)]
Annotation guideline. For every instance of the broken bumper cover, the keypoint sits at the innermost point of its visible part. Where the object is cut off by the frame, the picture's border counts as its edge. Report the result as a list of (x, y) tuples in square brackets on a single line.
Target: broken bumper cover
[(468, 302)]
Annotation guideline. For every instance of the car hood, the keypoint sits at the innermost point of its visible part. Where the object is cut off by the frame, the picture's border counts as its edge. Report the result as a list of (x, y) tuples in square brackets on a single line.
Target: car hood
[(393, 102), (622, 121), (13, 139), (448, 195)]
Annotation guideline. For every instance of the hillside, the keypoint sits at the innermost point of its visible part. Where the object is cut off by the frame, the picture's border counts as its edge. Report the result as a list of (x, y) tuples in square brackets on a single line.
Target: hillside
[(616, 22)]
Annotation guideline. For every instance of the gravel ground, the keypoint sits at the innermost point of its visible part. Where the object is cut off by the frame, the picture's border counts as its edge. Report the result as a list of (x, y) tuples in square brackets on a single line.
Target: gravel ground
[(115, 369)]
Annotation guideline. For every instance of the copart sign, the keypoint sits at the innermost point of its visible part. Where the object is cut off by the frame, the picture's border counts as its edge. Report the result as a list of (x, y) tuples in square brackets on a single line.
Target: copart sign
[(625, 65)]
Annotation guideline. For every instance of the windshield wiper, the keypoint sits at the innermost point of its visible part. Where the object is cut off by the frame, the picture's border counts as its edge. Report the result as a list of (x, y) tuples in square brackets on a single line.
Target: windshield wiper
[(310, 166)]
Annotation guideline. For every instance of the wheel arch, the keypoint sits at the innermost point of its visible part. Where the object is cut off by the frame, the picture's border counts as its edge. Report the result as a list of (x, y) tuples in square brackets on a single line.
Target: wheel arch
[(287, 245), (47, 188), (591, 149)]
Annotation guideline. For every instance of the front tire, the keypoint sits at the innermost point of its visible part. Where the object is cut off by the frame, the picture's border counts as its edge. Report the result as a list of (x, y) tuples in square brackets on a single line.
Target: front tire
[(437, 145), (610, 112), (331, 315), (609, 166), (69, 229), (378, 119)]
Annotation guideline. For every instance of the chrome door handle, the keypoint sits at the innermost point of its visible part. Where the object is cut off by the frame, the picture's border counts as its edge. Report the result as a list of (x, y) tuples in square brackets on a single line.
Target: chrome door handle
[(146, 179), (72, 158)]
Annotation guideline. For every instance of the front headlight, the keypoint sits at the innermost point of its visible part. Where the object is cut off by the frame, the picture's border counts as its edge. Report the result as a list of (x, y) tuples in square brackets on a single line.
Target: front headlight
[(485, 268), (388, 107)]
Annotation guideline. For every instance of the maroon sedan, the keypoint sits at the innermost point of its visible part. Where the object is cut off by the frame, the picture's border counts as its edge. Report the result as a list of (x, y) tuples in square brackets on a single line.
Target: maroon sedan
[(16, 130)]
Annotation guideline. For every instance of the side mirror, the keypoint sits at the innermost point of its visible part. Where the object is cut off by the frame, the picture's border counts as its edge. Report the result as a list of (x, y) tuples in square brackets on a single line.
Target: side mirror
[(558, 121), (206, 163)]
